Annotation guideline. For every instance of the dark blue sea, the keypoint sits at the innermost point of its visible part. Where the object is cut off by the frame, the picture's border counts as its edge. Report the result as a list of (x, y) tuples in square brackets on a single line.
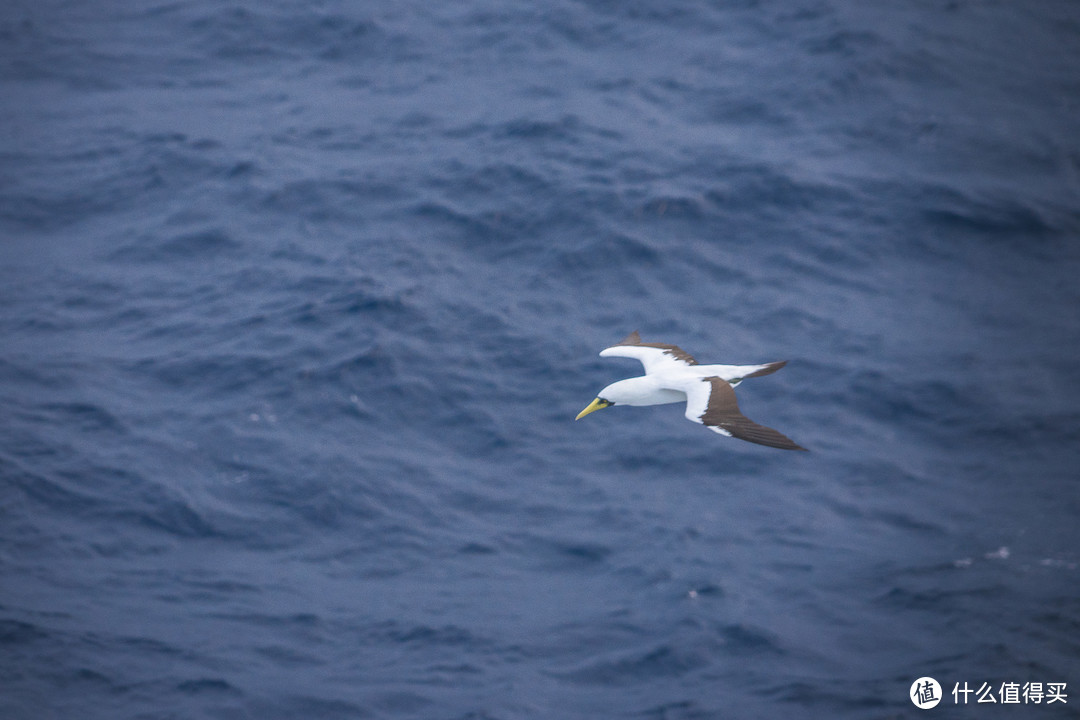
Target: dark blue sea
[(298, 302)]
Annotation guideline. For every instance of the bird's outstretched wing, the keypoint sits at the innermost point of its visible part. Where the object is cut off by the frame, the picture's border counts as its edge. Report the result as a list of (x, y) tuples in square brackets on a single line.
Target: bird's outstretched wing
[(654, 356), (711, 402)]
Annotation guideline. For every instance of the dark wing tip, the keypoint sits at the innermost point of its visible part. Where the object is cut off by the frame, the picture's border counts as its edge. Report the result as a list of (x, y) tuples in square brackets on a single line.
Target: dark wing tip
[(723, 412), (750, 431), (632, 339)]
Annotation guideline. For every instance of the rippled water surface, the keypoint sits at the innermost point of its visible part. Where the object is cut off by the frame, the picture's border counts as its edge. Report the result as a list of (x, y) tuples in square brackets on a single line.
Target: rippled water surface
[(298, 302)]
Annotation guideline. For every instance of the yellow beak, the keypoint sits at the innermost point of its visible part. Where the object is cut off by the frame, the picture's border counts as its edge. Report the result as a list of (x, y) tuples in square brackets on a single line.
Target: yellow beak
[(595, 405)]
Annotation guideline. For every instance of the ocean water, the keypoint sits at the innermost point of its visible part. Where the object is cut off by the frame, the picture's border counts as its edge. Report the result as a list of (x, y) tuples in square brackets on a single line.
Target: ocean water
[(298, 301)]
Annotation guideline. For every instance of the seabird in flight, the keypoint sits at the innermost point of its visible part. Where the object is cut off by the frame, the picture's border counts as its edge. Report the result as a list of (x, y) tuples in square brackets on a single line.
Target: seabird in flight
[(672, 375)]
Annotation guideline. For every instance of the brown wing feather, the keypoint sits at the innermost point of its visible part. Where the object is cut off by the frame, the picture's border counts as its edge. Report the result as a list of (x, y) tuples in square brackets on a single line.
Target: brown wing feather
[(723, 412), (673, 350)]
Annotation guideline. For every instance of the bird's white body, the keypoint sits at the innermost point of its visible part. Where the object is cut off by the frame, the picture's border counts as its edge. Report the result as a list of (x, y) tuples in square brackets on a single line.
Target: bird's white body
[(672, 375), (641, 391)]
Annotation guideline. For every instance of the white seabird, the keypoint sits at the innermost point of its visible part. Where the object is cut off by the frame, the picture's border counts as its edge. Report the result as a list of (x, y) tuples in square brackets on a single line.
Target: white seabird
[(672, 375)]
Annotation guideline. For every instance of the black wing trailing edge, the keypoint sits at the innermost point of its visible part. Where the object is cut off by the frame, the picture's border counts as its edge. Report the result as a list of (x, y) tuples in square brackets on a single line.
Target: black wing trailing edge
[(723, 412), (673, 350)]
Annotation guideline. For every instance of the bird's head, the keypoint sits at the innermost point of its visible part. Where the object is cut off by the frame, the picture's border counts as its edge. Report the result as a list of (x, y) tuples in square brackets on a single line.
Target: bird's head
[(597, 404), (621, 392)]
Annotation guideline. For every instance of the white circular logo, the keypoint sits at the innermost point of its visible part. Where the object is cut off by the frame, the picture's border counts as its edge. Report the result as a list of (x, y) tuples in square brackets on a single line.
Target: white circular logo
[(925, 693)]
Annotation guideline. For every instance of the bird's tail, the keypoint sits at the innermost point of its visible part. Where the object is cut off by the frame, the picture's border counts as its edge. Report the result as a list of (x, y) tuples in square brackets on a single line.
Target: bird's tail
[(735, 374), (766, 369)]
